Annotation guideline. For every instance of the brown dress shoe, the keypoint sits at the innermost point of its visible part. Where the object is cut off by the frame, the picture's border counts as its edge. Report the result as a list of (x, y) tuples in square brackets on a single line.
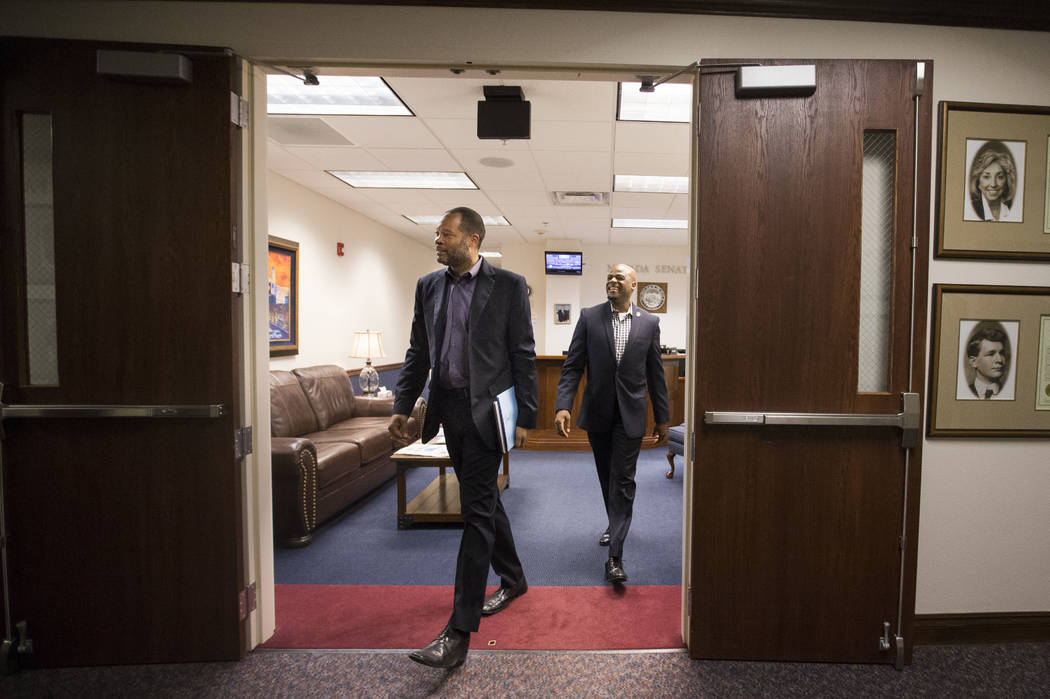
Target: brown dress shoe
[(501, 598), (448, 650)]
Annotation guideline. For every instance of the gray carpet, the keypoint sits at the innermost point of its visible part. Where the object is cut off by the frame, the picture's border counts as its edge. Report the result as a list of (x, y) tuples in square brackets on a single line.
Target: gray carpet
[(1014, 670)]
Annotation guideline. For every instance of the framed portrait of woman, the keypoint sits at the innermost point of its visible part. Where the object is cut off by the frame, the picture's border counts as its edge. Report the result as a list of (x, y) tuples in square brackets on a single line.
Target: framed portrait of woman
[(993, 193)]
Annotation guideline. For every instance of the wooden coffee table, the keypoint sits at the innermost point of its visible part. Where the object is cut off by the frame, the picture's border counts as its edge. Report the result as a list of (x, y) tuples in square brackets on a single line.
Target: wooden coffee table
[(439, 501)]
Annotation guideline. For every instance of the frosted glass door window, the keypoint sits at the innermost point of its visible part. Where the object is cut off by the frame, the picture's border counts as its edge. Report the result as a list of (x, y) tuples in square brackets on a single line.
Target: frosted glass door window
[(876, 260), (38, 199)]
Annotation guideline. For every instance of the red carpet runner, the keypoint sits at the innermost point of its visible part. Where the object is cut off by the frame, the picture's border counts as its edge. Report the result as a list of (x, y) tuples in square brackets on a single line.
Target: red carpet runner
[(546, 618)]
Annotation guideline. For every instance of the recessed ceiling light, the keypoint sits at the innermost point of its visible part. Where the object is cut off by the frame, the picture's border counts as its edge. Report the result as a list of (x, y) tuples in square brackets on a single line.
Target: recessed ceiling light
[(651, 183), (650, 223), (491, 254), (405, 180), (336, 94), (669, 102), (435, 219)]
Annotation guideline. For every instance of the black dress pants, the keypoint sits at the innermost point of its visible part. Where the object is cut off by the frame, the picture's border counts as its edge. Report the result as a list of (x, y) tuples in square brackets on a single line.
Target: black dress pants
[(487, 539), (616, 460)]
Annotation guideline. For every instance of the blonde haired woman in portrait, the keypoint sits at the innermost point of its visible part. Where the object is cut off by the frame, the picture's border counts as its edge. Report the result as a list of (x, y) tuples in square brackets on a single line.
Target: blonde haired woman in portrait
[(993, 183)]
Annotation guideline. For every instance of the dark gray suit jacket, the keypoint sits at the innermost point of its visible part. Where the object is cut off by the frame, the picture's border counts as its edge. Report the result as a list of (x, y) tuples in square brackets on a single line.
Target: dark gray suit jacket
[(501, 346), (592, 348)]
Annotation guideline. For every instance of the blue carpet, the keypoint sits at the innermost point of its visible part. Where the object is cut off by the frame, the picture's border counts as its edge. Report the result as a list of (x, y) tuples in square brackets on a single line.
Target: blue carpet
[(555, 508)]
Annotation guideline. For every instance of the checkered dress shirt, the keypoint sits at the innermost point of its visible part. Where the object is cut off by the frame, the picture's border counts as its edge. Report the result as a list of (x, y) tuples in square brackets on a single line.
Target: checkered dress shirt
[(621, 330)]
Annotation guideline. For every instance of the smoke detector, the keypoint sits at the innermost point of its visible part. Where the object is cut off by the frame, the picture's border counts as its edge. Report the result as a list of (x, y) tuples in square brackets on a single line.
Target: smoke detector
[(580, 198)]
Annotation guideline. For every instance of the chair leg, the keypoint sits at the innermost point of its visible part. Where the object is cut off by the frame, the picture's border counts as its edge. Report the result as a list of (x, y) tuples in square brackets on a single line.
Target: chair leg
[(670, 460)]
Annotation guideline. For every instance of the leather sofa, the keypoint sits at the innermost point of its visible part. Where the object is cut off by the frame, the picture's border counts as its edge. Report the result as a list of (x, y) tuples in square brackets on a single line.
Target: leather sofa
[(329, 447)]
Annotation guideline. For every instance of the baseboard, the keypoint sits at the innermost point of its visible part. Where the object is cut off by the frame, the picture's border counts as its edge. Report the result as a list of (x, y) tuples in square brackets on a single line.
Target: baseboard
[(998, 627)]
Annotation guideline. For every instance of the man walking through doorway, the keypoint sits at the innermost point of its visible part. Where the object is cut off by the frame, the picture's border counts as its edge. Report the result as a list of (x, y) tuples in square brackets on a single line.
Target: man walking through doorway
[(619, 346), (472, 332)]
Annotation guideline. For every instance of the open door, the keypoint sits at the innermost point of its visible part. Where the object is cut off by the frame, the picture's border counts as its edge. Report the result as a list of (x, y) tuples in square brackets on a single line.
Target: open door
[(121, 354), (812, 255)]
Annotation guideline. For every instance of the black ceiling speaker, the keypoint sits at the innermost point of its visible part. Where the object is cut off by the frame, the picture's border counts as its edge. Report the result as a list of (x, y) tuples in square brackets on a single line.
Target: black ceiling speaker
[(504, 113)]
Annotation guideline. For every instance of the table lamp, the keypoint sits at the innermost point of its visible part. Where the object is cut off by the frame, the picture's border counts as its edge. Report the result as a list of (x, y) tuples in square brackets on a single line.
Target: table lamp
[(368, 344)]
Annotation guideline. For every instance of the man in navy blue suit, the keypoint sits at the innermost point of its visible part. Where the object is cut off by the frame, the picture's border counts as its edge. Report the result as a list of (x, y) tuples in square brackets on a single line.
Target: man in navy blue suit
[(619, 346), (472, 334)]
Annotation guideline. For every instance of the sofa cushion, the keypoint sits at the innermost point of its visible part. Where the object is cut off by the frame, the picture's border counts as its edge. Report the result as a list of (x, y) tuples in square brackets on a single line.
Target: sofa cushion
[(368, 433), (335, 460), (290, 412), (328, 389)]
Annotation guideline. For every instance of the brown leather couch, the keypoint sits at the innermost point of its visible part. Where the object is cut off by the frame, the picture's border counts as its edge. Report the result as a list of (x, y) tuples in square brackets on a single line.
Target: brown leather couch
[(329, 447)]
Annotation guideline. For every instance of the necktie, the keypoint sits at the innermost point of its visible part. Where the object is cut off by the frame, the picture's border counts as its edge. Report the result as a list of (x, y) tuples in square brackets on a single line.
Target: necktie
[(988, 393)]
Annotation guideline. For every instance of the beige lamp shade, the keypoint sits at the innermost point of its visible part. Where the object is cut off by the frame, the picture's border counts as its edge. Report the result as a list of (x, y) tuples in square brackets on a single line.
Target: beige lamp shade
[(368, 344)]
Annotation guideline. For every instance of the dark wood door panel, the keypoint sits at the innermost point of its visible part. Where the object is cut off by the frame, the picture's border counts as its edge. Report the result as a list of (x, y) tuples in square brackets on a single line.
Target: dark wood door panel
[(797, 530), (126, 532)]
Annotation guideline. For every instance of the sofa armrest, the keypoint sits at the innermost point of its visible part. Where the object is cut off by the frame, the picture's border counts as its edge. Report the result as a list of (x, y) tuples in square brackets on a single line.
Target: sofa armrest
[(367, 406), (294, 472)]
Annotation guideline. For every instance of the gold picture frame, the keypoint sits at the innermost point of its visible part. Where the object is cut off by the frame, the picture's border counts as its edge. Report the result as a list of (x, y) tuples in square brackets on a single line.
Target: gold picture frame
[(1007, 148), (990, 361)]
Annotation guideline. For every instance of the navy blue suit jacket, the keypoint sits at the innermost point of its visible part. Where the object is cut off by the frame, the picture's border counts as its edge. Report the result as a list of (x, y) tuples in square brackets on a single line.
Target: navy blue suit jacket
[(502, 351), (608, 384)]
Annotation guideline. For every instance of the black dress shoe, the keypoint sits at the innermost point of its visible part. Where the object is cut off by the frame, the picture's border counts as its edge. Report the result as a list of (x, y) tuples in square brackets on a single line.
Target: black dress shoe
[(614, 572), (603, 540), (498, 600), (448, 650)]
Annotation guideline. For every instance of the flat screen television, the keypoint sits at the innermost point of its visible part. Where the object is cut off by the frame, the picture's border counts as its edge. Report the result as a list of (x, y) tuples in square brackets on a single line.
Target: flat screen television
[(560, 262)]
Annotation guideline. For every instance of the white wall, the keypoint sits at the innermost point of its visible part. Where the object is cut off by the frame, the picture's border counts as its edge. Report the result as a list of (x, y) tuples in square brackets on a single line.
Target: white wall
[(371, 286), (985, 503)]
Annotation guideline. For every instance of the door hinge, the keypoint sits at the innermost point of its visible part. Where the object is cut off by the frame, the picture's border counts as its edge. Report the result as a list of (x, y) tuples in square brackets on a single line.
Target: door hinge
[(242, 442), (246, 601), (241, 278), (238, 111)]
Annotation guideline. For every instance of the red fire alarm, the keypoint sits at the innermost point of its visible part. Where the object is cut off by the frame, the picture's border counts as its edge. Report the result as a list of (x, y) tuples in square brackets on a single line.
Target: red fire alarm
[(339, 249)]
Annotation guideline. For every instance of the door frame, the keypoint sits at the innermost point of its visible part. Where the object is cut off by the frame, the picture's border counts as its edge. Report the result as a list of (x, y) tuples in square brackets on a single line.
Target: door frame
[(259, 545)]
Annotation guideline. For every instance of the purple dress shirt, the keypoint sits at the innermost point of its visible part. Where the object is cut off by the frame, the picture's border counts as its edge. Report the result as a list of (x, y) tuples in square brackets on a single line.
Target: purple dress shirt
[(454, 372)]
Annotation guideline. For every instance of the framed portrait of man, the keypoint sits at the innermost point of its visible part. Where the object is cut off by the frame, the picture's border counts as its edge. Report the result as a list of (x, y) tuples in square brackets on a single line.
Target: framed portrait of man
[(986, 358)]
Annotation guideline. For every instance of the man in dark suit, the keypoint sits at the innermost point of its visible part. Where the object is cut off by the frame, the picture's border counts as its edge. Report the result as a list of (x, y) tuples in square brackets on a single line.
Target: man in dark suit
[(472, 332), (619, 346)]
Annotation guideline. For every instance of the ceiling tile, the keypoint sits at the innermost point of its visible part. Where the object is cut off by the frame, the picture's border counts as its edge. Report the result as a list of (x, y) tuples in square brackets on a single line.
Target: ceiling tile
[(311, 179), (675, 164), (277, 158), (575, 171), (416, 159), (645, 137), (384, 132), (335, 158), (571, 135)]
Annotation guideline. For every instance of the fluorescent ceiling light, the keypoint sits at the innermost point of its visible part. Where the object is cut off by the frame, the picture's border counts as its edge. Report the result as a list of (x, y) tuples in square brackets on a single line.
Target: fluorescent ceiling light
[(670, 102), (336, 94), (435, 219), (405, 180), (491, 254), (650, 223), (651, 183)]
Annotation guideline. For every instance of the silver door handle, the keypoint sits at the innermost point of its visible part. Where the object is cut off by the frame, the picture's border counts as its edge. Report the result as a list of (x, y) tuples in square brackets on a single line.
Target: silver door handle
[(909, 419)]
